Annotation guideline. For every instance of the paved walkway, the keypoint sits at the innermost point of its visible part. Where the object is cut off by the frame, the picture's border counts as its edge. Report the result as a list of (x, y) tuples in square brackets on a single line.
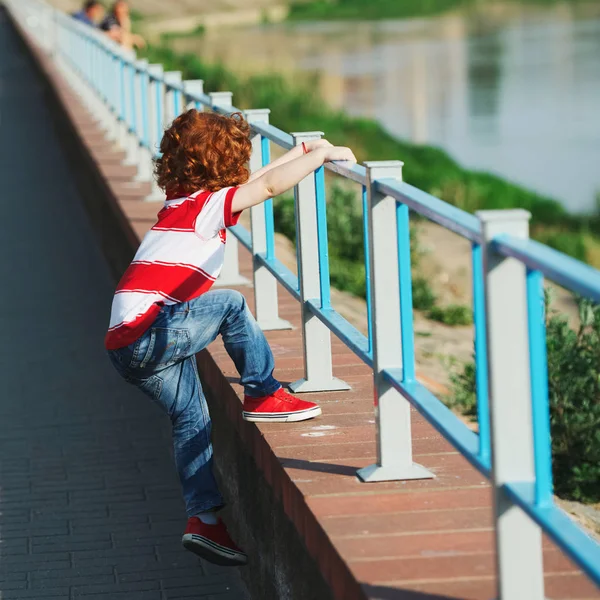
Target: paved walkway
[(89, 501)]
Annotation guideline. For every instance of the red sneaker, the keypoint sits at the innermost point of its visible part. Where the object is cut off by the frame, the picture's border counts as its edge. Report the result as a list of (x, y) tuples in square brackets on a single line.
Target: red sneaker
[(279, 407), (212, 543)]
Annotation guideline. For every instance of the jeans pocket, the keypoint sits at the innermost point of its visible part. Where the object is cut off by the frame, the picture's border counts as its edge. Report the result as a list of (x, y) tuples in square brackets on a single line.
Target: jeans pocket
[(165, 347), (151, 387)]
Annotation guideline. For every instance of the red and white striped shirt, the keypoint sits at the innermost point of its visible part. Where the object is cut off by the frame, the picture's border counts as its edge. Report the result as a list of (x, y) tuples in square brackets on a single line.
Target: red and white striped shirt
[(178, 259)]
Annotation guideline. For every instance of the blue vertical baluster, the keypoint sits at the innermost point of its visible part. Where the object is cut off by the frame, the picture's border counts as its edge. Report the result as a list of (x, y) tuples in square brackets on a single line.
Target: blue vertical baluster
[(92, 64), (87, 67), (481, 368), (269, 221), (82, 56), (177, 101), (101, 74), (122, 101), (538, 366), (107, 83), (111, 81), (198, 105), (116, 72), (323, 247), (406, 302), (365, 209), (159, 113), (132, 111), (98, 66), (80, 53), (145, 140), (70, 53)]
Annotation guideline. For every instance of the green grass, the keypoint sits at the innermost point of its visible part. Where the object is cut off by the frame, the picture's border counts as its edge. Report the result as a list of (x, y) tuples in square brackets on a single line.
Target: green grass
[(197, 31), (453, 314), (321, 10), (136, 16)]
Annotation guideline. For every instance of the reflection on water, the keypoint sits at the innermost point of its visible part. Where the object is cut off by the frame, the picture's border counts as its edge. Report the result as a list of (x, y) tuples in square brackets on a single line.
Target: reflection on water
[(510, 90)]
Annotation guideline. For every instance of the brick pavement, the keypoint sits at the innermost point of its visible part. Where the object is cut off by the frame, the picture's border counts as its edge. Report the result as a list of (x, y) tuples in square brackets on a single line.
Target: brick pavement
[(89, 502)]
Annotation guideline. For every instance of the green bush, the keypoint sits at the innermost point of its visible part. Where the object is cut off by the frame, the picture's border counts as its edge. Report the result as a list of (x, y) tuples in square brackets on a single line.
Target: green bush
[(423, 296), (574, 395), (346, 245), (464, 390), (453, 314)]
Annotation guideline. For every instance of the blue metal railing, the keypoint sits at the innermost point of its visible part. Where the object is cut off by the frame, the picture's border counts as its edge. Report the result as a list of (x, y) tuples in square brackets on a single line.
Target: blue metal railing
[(106, 75)]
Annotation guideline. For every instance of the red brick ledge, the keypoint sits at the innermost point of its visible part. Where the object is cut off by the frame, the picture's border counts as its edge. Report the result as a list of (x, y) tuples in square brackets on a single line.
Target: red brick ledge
[(313, 531)]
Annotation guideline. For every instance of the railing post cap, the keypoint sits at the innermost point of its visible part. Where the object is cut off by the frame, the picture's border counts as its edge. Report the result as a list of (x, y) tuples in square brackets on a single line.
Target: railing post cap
[(222, 100), (380, 169), (511, 214), (512, 221), (221, 95), (174, 76), (507, 216), (387, 164), (303, 136), (254, 115)]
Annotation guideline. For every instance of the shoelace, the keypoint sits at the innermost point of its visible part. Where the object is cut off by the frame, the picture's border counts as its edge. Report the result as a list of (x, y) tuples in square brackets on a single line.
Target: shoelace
[(281, 394)]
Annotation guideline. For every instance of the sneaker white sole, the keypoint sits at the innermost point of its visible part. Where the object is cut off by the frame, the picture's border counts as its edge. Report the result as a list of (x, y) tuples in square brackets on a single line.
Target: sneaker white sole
[(213, 552), (282, 417)]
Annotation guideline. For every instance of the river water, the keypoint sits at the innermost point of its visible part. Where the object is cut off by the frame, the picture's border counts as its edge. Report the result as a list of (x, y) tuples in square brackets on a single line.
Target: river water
[(513, 90)]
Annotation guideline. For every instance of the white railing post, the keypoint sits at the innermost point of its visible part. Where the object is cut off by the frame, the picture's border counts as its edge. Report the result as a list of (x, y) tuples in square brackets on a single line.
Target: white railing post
[(171, 77), (193, 86), (139, 154), (265, 285), (518, 538), (316, 337), (392, 410), (107, 82), (156, 108), (221, 99), (112, 86), (132, 139), (146, 105), (230, 274), (124, 101)]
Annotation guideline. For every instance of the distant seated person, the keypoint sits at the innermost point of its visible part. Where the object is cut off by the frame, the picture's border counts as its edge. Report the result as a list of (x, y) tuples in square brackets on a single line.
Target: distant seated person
[(117, 25), (91, 13)]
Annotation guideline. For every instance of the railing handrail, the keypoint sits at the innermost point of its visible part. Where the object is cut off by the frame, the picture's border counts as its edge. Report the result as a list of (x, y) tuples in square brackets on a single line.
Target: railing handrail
[(560, 268), (509, 328)]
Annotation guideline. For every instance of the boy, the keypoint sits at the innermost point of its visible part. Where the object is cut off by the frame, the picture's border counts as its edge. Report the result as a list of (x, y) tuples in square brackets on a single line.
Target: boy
[(163, 313)]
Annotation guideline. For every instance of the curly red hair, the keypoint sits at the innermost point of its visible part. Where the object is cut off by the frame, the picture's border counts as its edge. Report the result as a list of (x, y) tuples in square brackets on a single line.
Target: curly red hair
[(203, 151)]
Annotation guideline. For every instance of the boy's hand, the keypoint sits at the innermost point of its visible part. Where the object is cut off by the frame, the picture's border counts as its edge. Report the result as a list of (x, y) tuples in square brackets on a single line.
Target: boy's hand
[(339, 153), (315, 144)]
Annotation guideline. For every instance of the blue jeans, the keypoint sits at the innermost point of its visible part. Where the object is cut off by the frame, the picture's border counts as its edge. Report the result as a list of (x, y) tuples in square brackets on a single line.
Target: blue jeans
[(162, 363)]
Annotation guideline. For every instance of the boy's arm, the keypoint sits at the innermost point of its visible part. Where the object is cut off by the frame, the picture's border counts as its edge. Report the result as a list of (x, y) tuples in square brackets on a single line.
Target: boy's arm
[(285, 176), (295, 152)]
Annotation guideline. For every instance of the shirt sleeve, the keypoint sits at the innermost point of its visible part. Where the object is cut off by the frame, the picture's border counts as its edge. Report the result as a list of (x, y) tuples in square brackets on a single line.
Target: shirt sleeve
[(216, 214)]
